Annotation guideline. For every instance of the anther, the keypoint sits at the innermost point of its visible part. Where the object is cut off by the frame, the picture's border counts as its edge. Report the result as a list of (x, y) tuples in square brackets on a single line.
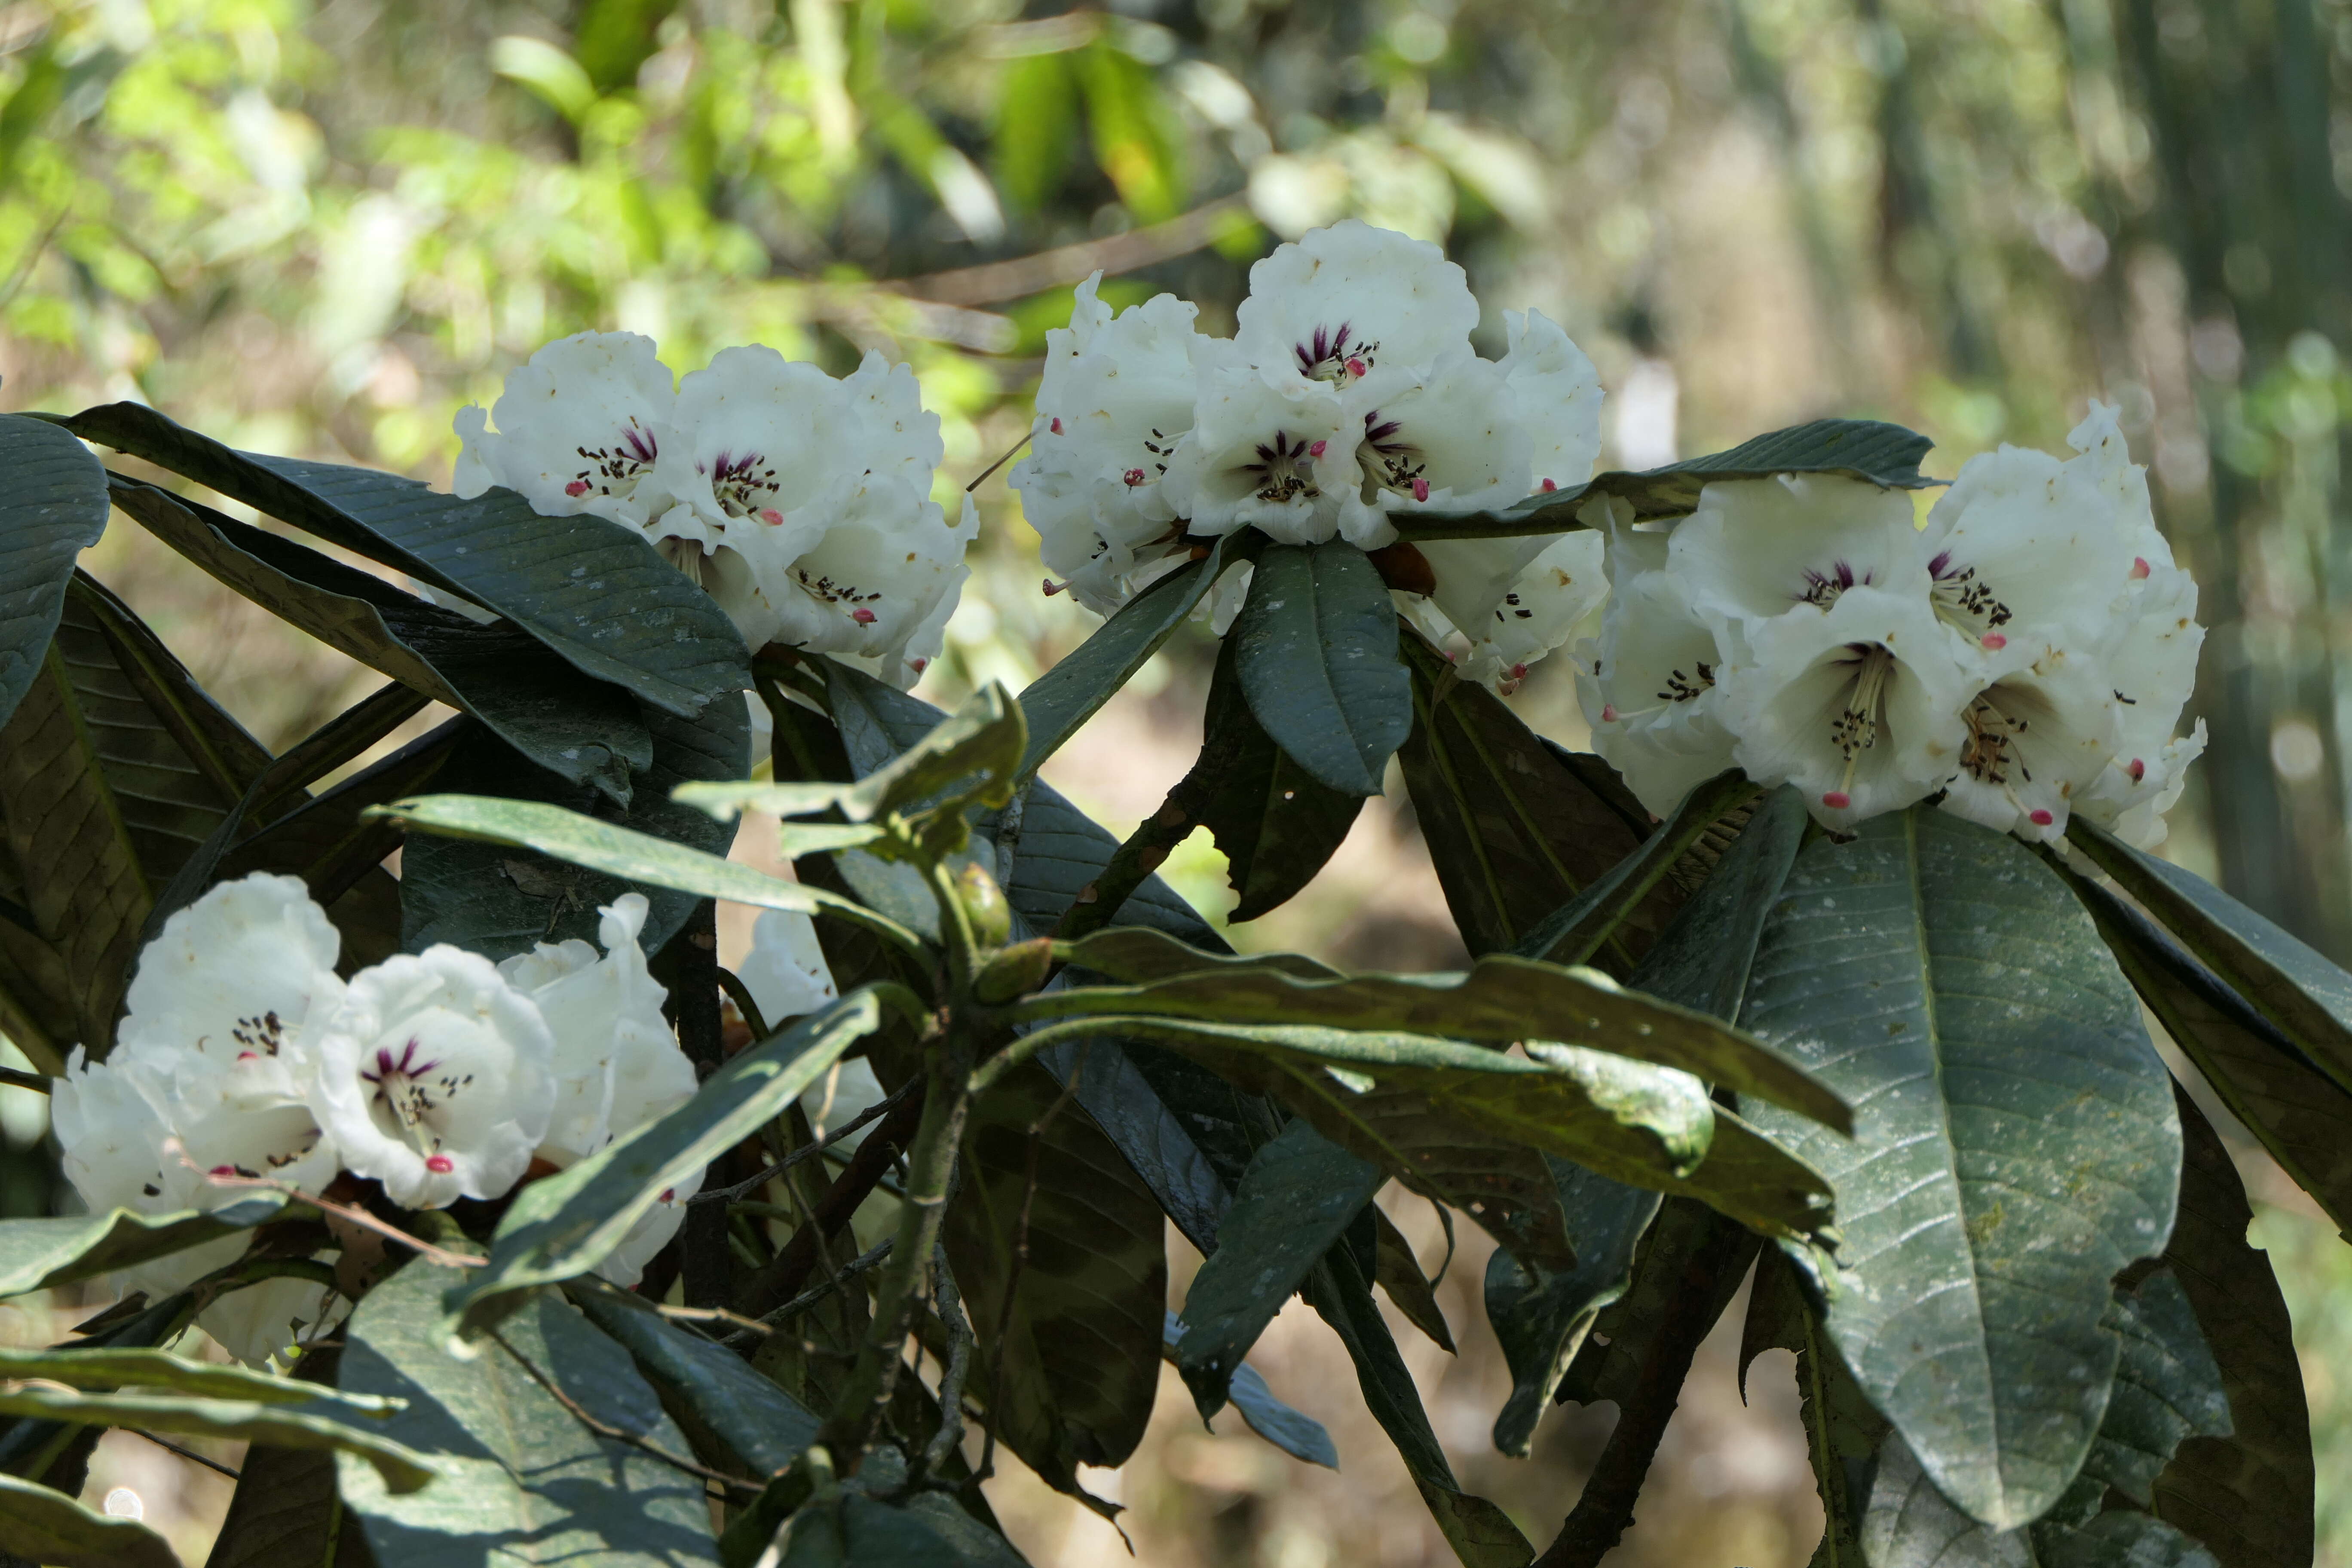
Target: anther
[(2138, 770), (1057, 426), (1053, 587), (1134, 476), (1357, 367)]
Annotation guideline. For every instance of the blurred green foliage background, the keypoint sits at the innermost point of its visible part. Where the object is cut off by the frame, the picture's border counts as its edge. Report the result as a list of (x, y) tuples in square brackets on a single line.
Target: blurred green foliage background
[(320, 228)]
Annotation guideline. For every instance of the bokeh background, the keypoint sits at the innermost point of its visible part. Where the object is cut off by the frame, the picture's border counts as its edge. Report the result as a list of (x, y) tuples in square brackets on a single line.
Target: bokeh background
[(320, 228)]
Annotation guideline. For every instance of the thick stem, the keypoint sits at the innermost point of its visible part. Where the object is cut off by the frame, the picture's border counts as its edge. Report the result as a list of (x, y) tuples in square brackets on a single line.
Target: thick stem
[(1100, 902)]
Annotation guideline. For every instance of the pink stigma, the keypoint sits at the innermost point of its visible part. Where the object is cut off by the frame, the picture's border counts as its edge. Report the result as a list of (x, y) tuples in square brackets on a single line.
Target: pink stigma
[(1518, 673), (1994, 640), (440, 1164), (2039, 818), (2138, 770), (1836, 799), (1057, 426), (1549, 487), (222, 1170), (248, 1055), (1357, 367), (772, 517), (669, 1196), (1316, 450), (1420, 489), (919, 664), (862, 615), (1609, 713), (1134, 476), (1053, 587), (576, 487), (2139, 567)]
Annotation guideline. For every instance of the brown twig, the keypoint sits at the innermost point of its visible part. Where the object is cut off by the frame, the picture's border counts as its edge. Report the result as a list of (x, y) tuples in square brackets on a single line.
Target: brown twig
[(354, 1215), (1100, 902), (787, 1274), (834, 1280), (188, 1454), (1018, 279), (605, 1430), (880, 1108)]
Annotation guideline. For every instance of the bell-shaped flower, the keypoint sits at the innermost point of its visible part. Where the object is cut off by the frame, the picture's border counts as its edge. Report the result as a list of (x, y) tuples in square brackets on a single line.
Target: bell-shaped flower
[(582, 427), (605, 1015), (1340, 303), (785, 970), (1755, 549), (1648, 685), (434, 1078), (625, 1264), (220, 1028), (1446, 437), (1859, 705), (2039, 733), (266, 1324), (1114, 400), (1558, 397), (1272, 448), (2153, 671)]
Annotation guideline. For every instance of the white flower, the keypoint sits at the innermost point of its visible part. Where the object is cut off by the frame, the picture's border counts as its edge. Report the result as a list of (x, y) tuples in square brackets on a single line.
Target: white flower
[(434, 1078), (1558, 397), (1343, 302), (1754, 548), (1648, 687), (1858, 704), (614, 1050), (581, 428), (1116, 398), (1272, 448), (264, 1323), (1538, 611), (220, 1028), (625, 1264), (785, 970), (1449, 435), (2041, 731), (2154, 670), (109, 1137)]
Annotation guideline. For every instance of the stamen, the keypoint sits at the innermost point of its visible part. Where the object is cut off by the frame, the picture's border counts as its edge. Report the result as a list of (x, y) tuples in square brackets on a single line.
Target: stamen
[(1855, 729), (1053, 587)]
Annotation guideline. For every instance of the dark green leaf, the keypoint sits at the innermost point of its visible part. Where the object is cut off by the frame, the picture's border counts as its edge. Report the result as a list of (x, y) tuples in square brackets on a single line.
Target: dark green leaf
[(1036, 116), (284, 1514), (2248, 1497), (1883, 455), (1843, 1431), (736, 1419), (50, 1528), (564, 1225), (1139, 954), (1481, 1534), (1163, 1148), (1515, 828), (596, 593), (1299, 1435), (1541, 1316), (1576, 931), (370, 1439), (1067, 1361), (1054, 850), (54, 508), (853, 1530), (584, 731), (1277, 824), (42, 1254), (1298, 1196), (1702, 959), (1396, 1269), (1503, 1000), (1317, 656), (523, 1480), (2015, 1149), (1058, 701), (2307, 997)]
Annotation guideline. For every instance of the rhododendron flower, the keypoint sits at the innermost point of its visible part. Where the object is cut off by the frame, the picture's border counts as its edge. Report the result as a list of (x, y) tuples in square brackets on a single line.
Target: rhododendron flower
[(1340, 303), (582, 427), (1269, 448), (785, 970), (1648, 685), (434, 1078)]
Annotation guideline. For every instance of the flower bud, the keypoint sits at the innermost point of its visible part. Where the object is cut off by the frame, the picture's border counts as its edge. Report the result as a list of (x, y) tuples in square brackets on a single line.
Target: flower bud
[(984, 906), (1014, 971)]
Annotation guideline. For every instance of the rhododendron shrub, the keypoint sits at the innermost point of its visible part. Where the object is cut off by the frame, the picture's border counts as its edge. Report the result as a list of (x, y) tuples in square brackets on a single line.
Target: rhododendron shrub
[(1828, 963)]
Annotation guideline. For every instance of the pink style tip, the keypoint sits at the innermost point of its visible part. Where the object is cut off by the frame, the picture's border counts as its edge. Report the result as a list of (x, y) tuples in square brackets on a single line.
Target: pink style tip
[(1994, 641), (862, 615), (1608, 712), (772, 517), (1420, 489), (1318, 448), (1357, 367), (440, 1164), (1134, 476), (2139, 568), (576, 487), (1549, 486), (1518, 673), (2138, 770), (1836, 799), (1057, 426), (222, 1171), (2039, 818)]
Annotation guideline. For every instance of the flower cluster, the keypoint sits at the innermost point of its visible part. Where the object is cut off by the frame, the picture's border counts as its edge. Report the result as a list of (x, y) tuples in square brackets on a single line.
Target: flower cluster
[(1350, 396), (2024, 656), (439, 1075), (802, 502)]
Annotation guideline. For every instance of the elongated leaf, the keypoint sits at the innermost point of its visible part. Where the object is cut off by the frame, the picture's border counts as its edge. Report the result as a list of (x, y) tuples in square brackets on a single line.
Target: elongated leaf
[(1277, 824), (1481, 1534), (1575, 932), (107, 1367), (1299, 1435), (54, 508), (331, 842), (1514, 828), (584, 732), (315, 1423), (1844, 1433), (1179, 1125), (42, 1254), (1703, 958), (284, 1514), (1138, 954), (563, 1226), (50, 1528), (1883, 455), (2248, 1496), (1067, 1361), (1541, 1316), (853, 1530), (1052, 851), (2015, 1149), (596, 593), (1298, 1197), (1396, 1269), (2307, 997), (736, 1419), (1503, 1000), (2299, 1112), (1058, 701), (523, 1480), (1316, 652)]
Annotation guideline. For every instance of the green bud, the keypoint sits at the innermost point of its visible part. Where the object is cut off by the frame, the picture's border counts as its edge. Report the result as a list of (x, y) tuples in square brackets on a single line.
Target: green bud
[(1014, 971), (984, 906)]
